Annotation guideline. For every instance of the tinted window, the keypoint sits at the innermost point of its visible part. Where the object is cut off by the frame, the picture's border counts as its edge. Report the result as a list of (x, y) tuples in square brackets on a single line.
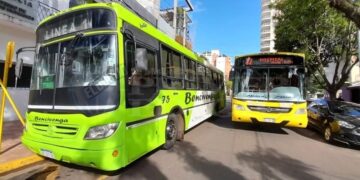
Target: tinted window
[(190, 73), (141, 79), (344, 108), (201, 76)]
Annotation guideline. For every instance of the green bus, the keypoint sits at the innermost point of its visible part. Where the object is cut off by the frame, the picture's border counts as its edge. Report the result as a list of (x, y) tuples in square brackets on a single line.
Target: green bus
[(108, 87)]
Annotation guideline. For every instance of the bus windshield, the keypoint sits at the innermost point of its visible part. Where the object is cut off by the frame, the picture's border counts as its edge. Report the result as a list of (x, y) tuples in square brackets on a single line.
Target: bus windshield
[(90, 61), (272, 84)]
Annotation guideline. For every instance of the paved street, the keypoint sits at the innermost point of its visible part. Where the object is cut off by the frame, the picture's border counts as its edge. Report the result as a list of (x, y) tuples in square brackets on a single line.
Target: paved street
[(217, 149)]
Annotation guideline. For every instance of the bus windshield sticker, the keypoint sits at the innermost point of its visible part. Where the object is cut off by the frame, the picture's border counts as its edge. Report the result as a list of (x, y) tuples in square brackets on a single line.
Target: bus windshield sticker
[(47, 82)]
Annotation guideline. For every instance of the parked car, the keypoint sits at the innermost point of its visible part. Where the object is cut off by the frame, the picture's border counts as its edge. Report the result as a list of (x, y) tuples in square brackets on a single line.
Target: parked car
[(337, 120)]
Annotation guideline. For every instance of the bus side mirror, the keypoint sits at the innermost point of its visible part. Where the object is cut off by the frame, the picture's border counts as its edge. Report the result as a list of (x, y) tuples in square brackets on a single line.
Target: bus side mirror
[(19, 67), (20, 61), (141, 61), (232, 74)]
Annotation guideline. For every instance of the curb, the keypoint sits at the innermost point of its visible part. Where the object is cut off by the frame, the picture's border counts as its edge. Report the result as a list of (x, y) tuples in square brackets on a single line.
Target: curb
[(19, 163)]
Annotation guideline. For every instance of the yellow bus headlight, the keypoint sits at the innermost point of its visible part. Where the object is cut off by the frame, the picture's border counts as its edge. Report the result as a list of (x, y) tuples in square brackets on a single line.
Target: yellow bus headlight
[(239, 107), (301, 111)]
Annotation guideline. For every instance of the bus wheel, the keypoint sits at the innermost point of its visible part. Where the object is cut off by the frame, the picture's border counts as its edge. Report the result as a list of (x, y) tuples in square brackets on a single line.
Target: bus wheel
[(181, 128), (171, 131)]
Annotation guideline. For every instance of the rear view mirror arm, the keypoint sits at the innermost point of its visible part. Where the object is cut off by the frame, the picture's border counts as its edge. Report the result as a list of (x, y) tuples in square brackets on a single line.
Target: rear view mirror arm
[(19, 62)]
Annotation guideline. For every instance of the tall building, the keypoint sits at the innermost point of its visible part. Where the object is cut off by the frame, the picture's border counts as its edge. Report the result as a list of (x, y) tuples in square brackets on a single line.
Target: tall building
[(267, 26), (220, 61)]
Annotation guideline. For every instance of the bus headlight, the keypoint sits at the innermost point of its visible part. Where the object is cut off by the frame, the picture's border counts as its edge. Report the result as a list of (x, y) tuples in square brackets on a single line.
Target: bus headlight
[(301, 111), (239, 107), (100, 132)]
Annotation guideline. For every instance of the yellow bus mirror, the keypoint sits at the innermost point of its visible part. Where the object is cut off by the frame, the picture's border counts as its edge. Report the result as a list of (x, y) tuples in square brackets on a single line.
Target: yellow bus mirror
[(232, 74)]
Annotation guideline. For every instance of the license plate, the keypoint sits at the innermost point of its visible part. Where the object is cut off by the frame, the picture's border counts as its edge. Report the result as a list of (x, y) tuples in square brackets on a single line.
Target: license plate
[(269, 120), (47, 153)]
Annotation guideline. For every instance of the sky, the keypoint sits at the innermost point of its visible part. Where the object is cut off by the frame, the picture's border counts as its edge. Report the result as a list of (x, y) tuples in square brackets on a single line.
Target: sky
[(232, 26)]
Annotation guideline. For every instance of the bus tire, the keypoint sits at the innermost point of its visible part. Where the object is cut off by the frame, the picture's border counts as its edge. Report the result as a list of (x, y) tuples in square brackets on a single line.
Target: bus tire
[(181, 128), (171, 131)]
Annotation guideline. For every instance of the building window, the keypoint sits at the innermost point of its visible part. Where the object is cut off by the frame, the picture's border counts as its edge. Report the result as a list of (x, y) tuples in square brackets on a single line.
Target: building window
[(23, 82)]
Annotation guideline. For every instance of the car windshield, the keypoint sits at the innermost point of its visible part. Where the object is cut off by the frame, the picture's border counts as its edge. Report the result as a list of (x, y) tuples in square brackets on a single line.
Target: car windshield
[(274, 84), (344, 108), (86, 61)]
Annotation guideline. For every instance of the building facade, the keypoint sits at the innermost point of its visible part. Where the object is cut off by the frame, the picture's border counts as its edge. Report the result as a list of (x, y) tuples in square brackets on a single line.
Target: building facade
[(267, 26), (351, 92), (18, 21), (220, 61)]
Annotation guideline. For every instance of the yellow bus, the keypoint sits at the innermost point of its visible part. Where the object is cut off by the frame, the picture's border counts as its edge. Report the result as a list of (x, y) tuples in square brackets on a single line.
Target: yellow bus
[(270, 88)]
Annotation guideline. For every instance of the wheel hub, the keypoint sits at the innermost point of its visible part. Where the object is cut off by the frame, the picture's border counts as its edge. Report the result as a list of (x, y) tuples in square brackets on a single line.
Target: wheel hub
[(327, 134), (170, 130)]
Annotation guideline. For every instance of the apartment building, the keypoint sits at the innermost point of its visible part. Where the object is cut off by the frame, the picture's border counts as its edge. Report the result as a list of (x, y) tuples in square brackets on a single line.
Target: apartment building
[(220, 61), (267, 26)]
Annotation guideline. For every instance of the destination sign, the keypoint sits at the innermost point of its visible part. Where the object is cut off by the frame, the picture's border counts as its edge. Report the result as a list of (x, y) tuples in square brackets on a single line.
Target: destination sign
[(269, 60), (75, 22)]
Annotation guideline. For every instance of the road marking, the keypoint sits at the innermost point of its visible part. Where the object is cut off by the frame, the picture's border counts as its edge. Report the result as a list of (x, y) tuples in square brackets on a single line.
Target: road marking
[(16, 164)]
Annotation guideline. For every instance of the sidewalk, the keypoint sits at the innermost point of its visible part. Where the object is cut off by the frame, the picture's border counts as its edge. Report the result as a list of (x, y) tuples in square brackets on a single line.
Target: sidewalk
[(11, 147)]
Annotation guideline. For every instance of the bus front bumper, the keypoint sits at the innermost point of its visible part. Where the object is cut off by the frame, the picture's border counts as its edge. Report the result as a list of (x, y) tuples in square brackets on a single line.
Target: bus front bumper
[(104, 159), (288, 120)]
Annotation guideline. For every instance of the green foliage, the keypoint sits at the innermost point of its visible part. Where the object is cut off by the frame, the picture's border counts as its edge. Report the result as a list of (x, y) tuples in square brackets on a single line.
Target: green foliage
[(323, 34), (228, 84)]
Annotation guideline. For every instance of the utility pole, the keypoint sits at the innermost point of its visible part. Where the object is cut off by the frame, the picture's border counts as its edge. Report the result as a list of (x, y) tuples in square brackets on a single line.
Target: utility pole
[(175, 15), (185, 27)]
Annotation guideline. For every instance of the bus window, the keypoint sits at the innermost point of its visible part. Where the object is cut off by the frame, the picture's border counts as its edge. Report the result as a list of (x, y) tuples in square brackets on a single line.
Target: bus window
[(190, 74), (141, 81), (171, 70), (201, 76), (91, 61)]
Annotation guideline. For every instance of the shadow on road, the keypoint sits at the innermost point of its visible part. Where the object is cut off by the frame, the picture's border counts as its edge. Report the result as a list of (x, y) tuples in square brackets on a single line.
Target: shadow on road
[(199, 164), (313, 134), (141, 169), (265, 128), (223, 119), (308, 133), (272, 164)]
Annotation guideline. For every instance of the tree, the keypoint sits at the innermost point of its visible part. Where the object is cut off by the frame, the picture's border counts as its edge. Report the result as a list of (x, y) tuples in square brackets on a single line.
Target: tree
[(228, 85), (350, 8), (324, 35)]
